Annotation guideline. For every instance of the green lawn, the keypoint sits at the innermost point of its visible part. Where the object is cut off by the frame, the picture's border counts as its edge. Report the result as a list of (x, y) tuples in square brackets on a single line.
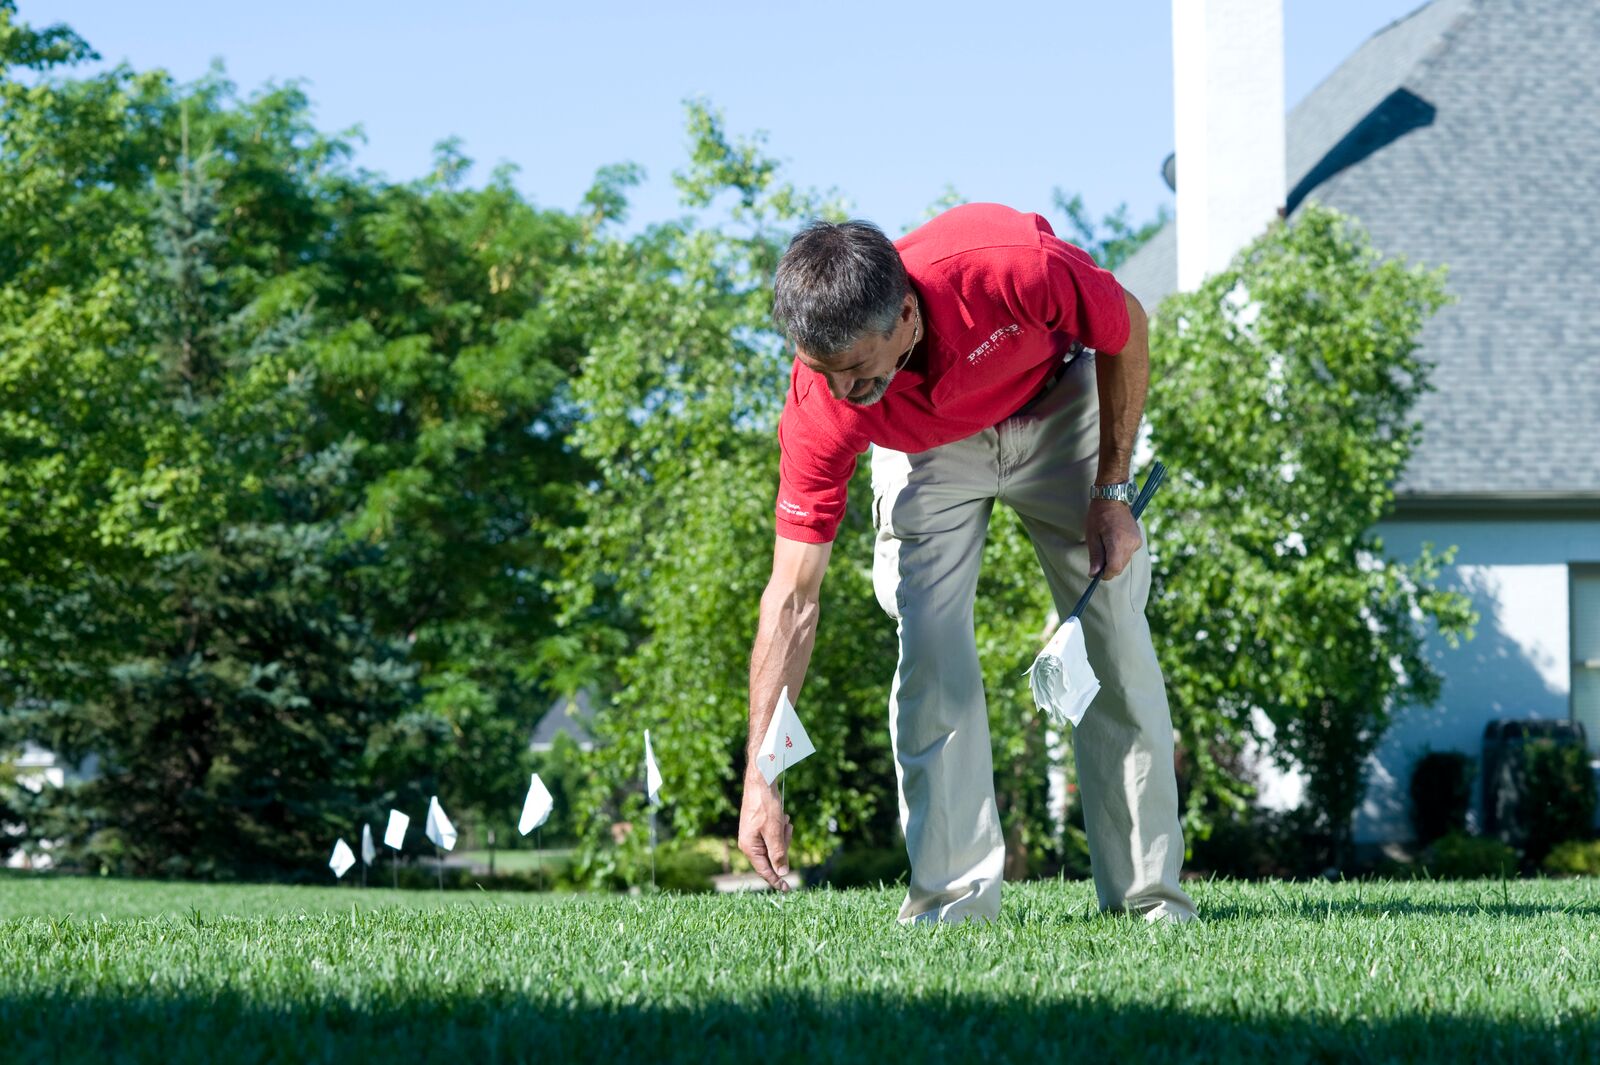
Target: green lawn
[(517, 861), (98, 970)]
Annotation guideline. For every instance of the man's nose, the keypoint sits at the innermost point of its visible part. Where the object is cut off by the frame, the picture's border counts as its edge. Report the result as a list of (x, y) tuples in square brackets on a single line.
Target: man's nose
[(840, 386)]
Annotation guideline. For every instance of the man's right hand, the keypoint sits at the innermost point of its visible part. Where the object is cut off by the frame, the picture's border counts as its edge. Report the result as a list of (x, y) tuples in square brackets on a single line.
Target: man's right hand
[(764, 830), (778, 659)]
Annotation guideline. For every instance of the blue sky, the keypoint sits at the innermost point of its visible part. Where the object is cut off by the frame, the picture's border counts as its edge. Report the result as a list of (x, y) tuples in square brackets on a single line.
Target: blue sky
[(887, 103)]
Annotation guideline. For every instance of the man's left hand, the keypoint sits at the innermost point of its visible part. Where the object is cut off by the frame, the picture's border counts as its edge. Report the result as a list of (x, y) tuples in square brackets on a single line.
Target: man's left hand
[(1113, 537)]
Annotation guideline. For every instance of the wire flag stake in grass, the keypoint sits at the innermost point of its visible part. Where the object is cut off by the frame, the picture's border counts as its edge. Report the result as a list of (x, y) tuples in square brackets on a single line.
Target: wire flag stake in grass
[(1062, 680), (536, 810), (343, 858), (369, 852), (784, 744), (443, 834), (394, 837), (652, 791)]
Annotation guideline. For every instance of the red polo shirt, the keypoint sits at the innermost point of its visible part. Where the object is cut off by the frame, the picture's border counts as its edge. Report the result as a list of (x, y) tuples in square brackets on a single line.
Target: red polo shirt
[(1003, 299)]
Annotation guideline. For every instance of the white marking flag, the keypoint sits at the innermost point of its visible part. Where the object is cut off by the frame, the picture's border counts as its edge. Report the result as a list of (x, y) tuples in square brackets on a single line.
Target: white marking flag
[(786, 741), (1063, 683), (652, 773), (369, 853), (395, 835), (536, 807), (438, 826), (342, 859)]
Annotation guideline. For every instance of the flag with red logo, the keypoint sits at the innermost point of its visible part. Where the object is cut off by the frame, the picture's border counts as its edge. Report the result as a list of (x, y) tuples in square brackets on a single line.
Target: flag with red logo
[(786, 742)]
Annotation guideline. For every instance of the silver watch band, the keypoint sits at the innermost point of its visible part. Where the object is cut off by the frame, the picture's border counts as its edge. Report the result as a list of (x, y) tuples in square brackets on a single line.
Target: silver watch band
[(1126, 492)]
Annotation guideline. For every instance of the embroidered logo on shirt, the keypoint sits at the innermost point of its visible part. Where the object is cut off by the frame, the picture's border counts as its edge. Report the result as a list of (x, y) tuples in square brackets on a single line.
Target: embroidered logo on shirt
[(996, 338), (792, 510)]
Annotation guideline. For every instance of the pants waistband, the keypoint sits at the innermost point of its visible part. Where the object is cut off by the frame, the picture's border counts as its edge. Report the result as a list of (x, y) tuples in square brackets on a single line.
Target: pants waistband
[(1072, 354)]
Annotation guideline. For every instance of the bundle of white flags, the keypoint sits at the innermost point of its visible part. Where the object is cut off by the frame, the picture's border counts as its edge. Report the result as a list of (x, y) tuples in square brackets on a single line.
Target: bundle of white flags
[(1062, 682)]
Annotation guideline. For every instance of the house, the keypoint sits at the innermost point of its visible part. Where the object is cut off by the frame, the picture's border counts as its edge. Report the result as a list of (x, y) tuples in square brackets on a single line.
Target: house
[(570, 715), (38, 768), (1468, 134)]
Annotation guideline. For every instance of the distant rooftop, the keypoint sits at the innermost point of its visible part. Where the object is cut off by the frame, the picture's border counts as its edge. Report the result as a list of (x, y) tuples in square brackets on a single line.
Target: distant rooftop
[(1468, 135), (569, 716)]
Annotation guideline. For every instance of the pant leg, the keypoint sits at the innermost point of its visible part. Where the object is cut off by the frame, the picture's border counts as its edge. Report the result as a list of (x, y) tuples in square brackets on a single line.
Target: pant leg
[(1124, 746), (932, 515)]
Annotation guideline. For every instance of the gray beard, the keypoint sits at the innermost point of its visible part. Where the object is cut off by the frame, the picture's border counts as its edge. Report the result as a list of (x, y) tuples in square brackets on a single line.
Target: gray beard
[(880, 388)]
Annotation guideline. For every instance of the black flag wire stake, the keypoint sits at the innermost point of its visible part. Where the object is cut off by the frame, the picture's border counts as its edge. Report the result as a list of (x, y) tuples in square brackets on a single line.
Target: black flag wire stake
[(1152, 481)]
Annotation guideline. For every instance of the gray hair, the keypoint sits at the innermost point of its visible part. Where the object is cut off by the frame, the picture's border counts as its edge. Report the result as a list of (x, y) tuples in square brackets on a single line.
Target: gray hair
[(838, 282)]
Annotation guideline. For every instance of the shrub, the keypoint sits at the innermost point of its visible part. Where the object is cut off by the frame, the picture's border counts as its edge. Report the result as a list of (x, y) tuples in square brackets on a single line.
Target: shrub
[(1441, 793), (684, 869), (861, 866), (1559, 797), (1075, 864), (1574, 858), (1256, 844), (1458, 856), (1551, 795)]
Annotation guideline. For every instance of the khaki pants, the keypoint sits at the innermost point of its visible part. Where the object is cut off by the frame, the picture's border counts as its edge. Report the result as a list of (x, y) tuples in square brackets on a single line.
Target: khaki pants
[(931, 511)]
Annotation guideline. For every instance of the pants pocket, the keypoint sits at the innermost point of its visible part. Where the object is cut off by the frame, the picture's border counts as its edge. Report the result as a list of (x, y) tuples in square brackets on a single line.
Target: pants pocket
[(885, 561)]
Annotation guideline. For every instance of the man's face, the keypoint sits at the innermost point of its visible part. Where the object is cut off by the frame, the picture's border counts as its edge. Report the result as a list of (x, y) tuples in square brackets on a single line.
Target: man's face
[(861, 373)]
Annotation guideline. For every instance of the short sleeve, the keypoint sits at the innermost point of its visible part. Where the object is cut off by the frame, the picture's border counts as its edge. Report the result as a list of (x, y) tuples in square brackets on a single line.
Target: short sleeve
[(1073, 295), (814, 469)]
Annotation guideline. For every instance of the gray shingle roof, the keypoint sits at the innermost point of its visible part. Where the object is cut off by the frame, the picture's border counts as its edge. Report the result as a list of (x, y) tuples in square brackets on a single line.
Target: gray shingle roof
[(1476, 146), (569, 716)]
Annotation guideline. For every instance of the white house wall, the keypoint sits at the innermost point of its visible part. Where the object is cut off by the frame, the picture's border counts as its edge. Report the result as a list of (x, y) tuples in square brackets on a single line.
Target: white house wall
[(1518, 666)]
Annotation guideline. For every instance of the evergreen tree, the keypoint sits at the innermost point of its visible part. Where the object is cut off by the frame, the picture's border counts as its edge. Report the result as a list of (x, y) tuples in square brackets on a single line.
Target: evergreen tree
[(256, 714)]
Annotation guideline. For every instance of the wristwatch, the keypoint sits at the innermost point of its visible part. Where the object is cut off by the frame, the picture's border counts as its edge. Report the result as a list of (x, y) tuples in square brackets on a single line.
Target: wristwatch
[(1126, 492)]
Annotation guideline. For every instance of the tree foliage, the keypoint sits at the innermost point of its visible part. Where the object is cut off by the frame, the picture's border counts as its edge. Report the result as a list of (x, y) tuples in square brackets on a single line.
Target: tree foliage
[(680, 387), (319, 489), (1111, 240), (284, 448), (682, 392), (1281, 396)]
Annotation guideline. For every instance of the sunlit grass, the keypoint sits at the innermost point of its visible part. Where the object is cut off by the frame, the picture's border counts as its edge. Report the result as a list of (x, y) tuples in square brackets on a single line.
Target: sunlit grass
[(102, 970)]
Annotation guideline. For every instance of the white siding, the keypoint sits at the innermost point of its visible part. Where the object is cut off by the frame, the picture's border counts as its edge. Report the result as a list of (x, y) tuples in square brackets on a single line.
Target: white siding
[(1518, 574), (1586, 651)]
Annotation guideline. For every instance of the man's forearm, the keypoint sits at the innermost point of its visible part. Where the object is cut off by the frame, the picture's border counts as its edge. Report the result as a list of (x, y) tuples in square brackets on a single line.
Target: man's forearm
[(784, 639), (1122, 381)]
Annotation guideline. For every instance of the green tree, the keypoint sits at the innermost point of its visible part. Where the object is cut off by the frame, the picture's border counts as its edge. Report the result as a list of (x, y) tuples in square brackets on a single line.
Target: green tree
[(86, 491), (1113, 239), (223, 347), (1281, 396), (682, 392), (447, 365), (681, 386), (250, 714)]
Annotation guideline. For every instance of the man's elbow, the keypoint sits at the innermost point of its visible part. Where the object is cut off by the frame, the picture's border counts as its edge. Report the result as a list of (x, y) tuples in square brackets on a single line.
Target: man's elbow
[(797, 570), (1136, 313), (1138, 325), (785, 596)]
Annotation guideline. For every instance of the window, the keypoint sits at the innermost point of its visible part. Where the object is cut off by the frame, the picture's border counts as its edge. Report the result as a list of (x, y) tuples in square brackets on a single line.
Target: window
[(1585, 601)]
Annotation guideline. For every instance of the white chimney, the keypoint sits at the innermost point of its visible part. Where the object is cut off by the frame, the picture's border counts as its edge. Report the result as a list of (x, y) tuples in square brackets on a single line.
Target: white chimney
[(1227, 82)]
